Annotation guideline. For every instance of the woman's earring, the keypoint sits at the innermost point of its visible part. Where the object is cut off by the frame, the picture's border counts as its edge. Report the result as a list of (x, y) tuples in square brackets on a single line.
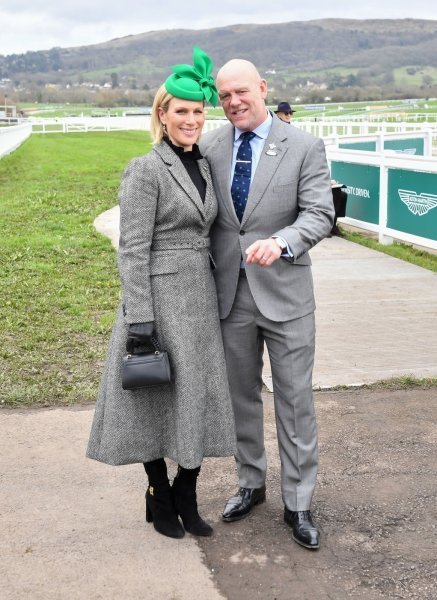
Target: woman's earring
[(164, 128)]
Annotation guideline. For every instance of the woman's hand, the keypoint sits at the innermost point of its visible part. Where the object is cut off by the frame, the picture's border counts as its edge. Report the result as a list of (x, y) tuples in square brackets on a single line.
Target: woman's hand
[(140, 336)]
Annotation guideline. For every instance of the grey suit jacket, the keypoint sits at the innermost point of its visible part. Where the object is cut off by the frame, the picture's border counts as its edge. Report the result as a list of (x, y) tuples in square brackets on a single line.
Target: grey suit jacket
[(291, 197)]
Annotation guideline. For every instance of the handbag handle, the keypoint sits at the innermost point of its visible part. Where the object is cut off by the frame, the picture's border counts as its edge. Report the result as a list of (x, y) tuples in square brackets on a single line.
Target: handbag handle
[(155, 344)]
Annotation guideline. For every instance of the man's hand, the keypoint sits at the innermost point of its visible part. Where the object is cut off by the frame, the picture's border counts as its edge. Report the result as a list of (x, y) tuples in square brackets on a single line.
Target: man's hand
[(263, 252)]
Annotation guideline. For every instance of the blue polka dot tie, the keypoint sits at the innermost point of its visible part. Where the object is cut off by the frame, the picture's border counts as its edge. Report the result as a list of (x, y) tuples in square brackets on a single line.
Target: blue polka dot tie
[(243, 171)]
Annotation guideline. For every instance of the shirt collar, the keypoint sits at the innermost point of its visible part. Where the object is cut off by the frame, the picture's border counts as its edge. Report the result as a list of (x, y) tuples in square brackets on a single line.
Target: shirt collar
[(262, 131)]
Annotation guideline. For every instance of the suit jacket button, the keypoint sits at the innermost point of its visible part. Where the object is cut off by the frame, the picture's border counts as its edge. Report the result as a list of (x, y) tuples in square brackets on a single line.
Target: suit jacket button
[(242, 232)]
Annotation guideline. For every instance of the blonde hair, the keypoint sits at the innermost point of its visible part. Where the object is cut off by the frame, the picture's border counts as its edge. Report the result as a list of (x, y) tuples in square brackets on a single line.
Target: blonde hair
[(162, 100)]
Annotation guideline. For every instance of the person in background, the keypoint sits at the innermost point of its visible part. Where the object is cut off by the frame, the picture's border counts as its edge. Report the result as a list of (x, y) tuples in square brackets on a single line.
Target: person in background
[(339, 198), (275, 204), (167, 206), (284, 112)]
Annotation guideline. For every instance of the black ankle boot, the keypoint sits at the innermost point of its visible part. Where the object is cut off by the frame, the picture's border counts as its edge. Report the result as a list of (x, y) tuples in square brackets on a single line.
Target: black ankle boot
[(159, 501), (185, 501)]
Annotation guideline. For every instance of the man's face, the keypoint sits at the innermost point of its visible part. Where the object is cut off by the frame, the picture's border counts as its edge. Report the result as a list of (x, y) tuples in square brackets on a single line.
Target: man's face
[(284, 116), (242, 96)]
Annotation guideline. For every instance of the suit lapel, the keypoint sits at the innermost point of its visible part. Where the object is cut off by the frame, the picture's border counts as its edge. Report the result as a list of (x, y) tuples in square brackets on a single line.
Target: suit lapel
[(179, 173), (205, 171), (221, 161), (266, 169)]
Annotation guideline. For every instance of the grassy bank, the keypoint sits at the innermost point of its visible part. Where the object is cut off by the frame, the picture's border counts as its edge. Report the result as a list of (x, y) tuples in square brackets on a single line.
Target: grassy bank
[(407, 382), (406, 252), (58, 282)]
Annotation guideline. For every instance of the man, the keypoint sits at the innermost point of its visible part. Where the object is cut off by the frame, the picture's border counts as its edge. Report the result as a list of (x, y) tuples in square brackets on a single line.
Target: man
[(339, 198), (275, 203), (284, 112)]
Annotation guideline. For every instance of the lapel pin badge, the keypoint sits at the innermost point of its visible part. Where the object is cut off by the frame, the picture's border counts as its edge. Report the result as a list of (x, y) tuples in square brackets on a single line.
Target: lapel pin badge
[(271, 151)]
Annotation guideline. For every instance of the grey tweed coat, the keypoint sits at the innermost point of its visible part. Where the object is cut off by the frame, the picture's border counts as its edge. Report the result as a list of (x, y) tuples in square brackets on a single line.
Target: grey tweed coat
[(166, 277)]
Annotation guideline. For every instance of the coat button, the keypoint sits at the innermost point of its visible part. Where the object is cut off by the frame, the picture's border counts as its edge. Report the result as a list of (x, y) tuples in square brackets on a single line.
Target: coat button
[(242, 232)]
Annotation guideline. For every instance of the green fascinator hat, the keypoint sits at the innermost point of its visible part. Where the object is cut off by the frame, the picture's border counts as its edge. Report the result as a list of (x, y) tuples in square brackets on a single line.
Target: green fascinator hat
[(193, 82)]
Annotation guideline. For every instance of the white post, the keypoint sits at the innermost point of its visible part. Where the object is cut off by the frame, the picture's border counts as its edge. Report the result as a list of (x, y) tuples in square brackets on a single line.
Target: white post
[(380, 142), (383, 199), (427, 142)]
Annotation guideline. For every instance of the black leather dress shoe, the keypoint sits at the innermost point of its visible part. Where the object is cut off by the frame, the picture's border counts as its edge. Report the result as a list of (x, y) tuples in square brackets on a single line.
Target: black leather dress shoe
[(305, 532), (240, 505)]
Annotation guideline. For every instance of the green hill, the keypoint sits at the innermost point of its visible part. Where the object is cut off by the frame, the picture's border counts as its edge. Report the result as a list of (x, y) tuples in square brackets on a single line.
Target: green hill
[(385, 57)]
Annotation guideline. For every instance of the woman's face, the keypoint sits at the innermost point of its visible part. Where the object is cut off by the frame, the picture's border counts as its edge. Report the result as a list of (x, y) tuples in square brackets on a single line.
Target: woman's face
[(184, 121)]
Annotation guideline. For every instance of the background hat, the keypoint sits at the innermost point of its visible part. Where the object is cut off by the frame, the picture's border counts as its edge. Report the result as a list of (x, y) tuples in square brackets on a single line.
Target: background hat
[(193, 82), (284, 107)]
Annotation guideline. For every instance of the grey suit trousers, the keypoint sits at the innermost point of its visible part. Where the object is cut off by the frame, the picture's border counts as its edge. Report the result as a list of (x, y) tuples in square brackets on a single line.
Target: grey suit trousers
[(291, 347)]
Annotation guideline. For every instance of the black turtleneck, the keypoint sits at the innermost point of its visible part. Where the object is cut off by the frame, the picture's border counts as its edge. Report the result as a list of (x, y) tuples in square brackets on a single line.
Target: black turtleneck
[(189, 159)]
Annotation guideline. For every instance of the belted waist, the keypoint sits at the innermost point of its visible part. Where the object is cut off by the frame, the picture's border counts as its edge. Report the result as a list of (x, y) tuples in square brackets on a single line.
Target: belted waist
[(193, 244)]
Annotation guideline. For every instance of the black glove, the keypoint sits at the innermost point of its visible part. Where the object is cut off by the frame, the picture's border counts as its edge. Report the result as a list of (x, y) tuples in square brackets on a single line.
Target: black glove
[(139, 337)]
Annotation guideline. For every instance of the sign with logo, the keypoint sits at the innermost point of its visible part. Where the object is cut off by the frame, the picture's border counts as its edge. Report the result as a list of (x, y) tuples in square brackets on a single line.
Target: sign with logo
[(362, 183), (412, 202), (414, 146), (370, 146)]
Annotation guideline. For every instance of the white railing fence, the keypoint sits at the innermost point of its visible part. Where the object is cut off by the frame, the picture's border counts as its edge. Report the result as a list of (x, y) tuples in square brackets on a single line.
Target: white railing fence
[(372, 116), (426, 134), (326, 129), (11, 137), (85, 124)]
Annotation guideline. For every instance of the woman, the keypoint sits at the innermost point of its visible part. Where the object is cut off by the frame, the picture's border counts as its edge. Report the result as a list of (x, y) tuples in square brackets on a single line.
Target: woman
[(167, 205)]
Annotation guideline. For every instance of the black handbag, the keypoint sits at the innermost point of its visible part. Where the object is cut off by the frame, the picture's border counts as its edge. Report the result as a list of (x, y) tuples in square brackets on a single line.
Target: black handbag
[(147, 369)]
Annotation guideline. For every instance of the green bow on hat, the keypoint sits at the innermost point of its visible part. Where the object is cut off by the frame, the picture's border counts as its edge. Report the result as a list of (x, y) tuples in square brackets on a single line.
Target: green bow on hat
[(193, 82)]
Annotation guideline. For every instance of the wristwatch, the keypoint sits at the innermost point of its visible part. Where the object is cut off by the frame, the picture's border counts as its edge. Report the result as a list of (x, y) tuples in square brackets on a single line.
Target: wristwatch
[(282, 244)]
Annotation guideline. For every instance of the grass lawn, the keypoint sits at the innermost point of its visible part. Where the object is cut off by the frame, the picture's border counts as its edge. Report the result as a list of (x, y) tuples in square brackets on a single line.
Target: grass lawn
[(58, 277), (406, 252), (414, 75)]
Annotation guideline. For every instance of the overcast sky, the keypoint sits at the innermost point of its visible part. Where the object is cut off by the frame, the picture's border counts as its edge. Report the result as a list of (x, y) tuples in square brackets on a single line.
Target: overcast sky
[(42, 24)]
